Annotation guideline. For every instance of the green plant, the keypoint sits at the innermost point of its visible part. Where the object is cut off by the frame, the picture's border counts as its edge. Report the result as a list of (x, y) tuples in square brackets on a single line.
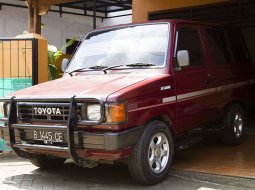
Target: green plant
[(53, 56)]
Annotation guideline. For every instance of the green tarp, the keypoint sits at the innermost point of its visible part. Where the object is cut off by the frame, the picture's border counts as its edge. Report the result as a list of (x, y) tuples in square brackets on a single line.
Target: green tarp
[(7, 86)]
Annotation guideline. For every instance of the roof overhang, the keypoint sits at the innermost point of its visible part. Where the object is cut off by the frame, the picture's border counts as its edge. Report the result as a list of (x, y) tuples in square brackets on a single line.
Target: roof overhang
[(101, 7)]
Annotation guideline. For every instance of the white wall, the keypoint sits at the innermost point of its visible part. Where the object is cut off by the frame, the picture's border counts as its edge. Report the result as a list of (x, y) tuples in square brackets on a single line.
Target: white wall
[(13, 21), (118, 20), (57, 29)]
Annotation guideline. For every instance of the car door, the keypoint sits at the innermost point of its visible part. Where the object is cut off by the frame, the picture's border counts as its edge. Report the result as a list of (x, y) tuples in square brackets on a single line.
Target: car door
[(223, 68), (195, 95)]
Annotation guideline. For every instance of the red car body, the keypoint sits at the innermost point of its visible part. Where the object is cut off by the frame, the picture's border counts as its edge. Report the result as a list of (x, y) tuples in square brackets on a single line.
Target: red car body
[(184, 99)]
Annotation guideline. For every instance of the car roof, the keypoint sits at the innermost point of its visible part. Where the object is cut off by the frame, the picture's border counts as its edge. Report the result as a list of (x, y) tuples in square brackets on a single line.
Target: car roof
[(173, 21)]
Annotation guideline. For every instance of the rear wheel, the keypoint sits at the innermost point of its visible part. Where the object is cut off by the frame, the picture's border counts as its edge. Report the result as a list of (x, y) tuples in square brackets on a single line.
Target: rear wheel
[(153, 154), (234, 125), (47, 162)]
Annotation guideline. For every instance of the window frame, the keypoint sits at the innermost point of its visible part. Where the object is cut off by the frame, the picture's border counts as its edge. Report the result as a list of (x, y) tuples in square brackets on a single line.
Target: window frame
[(222, 29), (244, 46), (203, 51), (167, 56)]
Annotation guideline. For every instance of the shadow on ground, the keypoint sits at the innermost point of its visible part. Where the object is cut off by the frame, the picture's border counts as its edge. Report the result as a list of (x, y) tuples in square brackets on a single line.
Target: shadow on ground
[(103, 177), (210, 156), (70, 176)]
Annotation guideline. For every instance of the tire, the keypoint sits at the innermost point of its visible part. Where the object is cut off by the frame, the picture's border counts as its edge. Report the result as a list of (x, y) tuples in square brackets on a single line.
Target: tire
[(233, 126), (141, 168), (47, 162)]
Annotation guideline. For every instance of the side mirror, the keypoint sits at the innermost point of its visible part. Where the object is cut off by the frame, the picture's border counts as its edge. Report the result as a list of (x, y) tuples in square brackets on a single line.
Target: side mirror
[(64, 64), (183, 58)]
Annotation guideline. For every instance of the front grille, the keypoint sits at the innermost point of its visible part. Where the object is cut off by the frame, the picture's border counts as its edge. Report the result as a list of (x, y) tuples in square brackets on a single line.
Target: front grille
[(45, 111)]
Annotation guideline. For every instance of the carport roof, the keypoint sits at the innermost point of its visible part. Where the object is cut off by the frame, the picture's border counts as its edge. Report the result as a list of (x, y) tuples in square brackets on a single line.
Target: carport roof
[(91, 8), (102, 6)]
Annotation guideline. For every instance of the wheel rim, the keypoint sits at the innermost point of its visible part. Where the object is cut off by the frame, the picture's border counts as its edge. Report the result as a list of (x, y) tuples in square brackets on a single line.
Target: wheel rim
[(238, 125), (158, 153)]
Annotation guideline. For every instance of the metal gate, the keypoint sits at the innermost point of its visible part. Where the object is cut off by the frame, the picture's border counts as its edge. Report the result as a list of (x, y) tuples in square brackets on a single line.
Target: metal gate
[(18, 67)]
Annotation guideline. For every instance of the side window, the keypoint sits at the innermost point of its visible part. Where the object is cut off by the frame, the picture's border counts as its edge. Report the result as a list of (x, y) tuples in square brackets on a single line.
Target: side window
[(218, 46), (238, 46), (188, 39)]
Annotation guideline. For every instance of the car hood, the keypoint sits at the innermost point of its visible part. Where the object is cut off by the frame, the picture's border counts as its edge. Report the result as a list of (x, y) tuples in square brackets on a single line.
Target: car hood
[(89, 85)]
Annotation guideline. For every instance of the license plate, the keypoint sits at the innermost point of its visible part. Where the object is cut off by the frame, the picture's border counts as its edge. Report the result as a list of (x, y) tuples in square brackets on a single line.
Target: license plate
[(48, 136)]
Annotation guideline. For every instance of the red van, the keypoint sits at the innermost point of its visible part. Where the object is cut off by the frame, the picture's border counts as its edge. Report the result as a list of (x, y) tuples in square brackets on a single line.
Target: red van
[(130, 92)]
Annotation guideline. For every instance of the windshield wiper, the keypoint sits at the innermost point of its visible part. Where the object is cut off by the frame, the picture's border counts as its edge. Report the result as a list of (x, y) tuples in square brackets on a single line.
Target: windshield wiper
[(141, 65), (94, 68), (76, 70), (129, 65), (100, 67), (111, 67), (105, 68)]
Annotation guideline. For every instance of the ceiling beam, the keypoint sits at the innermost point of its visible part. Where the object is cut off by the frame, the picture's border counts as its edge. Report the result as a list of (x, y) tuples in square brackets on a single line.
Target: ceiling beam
[(54, 2)]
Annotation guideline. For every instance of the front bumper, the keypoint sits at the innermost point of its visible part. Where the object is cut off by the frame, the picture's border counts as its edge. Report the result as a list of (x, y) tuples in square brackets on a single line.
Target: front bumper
[(82, 140), (78, 145)]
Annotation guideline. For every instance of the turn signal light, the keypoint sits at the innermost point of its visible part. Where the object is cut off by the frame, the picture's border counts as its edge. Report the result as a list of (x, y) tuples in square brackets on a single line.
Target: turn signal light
[(116, 113)]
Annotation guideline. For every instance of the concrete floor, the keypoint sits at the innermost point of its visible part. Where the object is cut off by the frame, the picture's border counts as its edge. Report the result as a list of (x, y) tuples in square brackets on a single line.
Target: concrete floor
[(21, 174), (210, 156), (193, 169)]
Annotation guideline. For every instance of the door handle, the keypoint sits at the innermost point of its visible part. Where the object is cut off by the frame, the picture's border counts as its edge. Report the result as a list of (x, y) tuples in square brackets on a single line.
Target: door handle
[(207, 81)]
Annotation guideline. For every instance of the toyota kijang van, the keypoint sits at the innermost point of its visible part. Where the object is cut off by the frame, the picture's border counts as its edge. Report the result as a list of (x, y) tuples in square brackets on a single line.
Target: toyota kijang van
[(130, 92)]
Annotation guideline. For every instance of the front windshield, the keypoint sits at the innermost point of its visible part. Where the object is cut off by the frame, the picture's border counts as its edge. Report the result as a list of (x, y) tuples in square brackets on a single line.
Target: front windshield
[(146, 44)]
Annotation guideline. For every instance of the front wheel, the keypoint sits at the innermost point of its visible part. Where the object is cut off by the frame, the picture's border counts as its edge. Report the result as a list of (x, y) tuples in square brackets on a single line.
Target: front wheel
[(47, 162), (152, 156)]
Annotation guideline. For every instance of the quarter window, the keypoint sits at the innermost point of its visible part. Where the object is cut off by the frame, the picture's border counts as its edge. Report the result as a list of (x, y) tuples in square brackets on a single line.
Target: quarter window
[(238, 46), (188, 39), (218, 46)]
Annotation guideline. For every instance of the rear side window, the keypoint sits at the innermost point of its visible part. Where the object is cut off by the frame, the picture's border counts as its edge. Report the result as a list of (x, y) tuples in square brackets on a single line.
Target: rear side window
[(218, 46), (238, 47), (188, 39)]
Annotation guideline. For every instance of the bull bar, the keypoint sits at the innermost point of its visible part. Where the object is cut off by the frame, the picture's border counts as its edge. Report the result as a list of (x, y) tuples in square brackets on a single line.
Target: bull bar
[(118, 140)]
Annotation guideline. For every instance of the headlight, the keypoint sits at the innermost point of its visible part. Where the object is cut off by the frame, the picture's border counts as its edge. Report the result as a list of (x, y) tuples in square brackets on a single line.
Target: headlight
[(93, 112), (116, 113), (4, 109)]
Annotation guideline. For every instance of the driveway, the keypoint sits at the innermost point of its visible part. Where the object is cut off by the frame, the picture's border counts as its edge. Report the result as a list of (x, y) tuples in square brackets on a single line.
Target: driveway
[(18, 173)]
